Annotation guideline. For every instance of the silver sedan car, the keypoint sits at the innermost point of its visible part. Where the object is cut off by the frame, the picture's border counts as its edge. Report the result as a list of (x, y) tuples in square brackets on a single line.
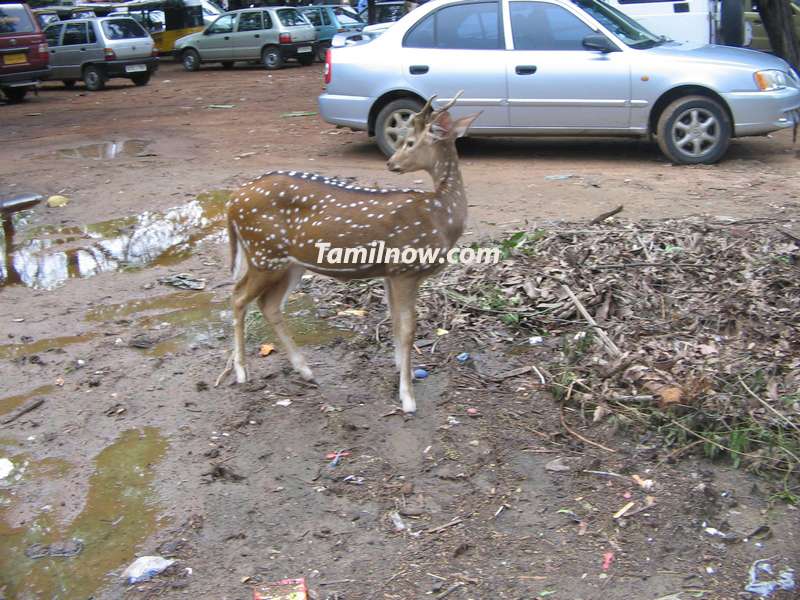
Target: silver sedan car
[(558, 67)]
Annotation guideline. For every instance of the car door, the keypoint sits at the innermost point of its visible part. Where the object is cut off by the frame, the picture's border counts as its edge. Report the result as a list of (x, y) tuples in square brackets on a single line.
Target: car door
[(460, 47), (74, 48), (314, 17), (554, 82), (247, 40), (57, 64), (216, 41)]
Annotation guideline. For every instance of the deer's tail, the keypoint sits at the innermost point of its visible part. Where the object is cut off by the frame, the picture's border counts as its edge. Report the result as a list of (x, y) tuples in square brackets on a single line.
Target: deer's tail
[(238, 258)]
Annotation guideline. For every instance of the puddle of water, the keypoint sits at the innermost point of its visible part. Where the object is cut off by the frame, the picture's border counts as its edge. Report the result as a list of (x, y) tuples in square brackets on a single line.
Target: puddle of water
[(9, 403), (167, 302), (118, 516), (11, 351), (105, 150), (47, 256)]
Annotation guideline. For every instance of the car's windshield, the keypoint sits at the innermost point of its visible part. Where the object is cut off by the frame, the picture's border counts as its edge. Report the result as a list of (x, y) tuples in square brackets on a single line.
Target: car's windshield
[(123, 29), (346, 17), (291, 18), (626, 29), (15, 19)]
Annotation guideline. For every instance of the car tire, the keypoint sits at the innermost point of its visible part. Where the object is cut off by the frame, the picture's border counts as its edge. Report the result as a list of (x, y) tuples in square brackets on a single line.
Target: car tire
[(694, 130), (271, 58), (93, 78), (390, 123), (15, 94), (228, 64), (69, 83), (731, 23), (190, 60), (306, 61), (322, 50), (140, 79)]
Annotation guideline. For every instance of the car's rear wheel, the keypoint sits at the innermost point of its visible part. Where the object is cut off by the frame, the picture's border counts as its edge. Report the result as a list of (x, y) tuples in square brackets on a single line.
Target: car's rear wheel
[(94, 79), (69, 83), (227, 64), (15, 94), (190, 60), (306, 59), (140, 79), (392, 123), (694, 130), (321, 50), (271, 58)]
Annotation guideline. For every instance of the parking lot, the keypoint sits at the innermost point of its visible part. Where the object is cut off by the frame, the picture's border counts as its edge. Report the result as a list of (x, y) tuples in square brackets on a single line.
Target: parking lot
[(235, 486)]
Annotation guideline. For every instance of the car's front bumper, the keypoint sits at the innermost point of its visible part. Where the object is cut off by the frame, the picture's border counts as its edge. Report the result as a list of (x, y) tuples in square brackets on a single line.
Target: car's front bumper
[(758, 113), (116, 68), (348, 111)]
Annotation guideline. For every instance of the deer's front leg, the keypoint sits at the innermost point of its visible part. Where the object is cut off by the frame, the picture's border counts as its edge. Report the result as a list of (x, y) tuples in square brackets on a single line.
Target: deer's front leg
[(403, 294)]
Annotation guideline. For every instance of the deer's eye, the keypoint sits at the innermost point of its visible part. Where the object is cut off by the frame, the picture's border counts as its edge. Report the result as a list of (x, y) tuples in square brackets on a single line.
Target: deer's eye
[(410, 143)]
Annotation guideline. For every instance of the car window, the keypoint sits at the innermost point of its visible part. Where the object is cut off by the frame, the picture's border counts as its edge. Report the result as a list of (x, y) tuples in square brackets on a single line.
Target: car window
[(544, 26), (290, 17), (15, 19), (313, 17), (629, 31), (123, 29), (92, 35), (267, 20), (75, 34), (346, 17), (326, 18), (250, 21), (52, 33), (462, 27), (389, 13), (222, 25)]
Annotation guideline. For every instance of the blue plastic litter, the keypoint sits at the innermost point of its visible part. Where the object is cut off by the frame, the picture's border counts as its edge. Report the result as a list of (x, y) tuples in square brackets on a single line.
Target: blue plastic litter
[(420, 373), (463, 357), (785, 580)]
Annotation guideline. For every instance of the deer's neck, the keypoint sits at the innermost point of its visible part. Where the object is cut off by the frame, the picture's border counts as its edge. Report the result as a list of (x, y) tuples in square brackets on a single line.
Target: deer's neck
[(449, 188)]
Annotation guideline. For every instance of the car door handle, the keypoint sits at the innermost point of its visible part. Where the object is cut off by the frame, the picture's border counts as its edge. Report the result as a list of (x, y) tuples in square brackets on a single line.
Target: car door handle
[(257, 35), (525, 69), (227, 37), (418, 69)]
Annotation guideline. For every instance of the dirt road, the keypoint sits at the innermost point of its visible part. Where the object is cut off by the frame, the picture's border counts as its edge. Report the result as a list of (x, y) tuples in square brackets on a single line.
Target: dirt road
[(133, 452)]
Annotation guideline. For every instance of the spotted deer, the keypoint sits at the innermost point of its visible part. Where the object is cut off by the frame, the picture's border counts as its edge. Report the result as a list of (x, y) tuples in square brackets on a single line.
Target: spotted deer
[(276, 222)]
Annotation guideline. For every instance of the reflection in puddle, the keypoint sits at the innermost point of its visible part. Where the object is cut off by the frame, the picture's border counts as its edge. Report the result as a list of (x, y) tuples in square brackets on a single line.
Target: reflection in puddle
[(106, 150), (49, 255), (10, 351), (119, 514), (9, 403)]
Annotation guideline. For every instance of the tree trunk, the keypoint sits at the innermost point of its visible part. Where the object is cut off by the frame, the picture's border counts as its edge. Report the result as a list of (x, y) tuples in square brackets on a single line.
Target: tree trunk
[(777, 18)]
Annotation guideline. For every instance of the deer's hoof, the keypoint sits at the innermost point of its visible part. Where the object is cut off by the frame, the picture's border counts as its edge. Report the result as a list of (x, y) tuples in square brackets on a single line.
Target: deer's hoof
[(241, 374)]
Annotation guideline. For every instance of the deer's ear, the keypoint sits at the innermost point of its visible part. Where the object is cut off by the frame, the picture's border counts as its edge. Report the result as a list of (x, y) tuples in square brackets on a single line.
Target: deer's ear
[(460, 127)]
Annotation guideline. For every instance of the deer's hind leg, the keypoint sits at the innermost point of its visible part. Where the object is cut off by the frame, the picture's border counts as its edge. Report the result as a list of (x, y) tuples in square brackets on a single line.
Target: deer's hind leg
[(403, 297), (271, 302)]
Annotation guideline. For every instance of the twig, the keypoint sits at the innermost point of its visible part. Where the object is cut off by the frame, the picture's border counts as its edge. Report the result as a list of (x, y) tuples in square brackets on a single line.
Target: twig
[(539, 373), (455, 521), (336, 582), (680, 450), (451, 589), (788, 234), (24, 410), (603, 216), (580, 437), (611, 347), (767, 405)]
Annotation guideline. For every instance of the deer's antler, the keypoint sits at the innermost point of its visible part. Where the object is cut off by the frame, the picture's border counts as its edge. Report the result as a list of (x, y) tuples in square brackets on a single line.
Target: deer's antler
[(451, 103)]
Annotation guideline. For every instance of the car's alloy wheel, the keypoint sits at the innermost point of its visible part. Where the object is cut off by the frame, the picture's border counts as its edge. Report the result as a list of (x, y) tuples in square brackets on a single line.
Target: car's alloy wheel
[(393, 122), (190, 60), (93, 79), (693, 130), (271, 58)]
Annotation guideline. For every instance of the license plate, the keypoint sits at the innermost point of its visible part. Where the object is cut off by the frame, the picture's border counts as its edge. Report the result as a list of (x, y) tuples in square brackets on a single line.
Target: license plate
[(304, 49), (135, 68), (14, 59)]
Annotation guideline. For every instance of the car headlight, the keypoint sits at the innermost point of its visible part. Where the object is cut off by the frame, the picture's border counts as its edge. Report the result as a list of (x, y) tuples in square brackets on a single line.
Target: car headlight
[(771, 80)]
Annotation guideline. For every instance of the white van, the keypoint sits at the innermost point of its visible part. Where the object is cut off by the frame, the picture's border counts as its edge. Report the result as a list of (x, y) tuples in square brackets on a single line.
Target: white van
[(694, 21)]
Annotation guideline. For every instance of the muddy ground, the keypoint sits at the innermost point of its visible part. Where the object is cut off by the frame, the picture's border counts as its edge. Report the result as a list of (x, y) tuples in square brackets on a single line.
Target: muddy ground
[(133, 452)]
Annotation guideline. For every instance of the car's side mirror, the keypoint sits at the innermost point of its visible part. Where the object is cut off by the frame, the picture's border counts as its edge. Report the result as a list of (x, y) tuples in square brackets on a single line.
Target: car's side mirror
[(206, 32), (597, 41)]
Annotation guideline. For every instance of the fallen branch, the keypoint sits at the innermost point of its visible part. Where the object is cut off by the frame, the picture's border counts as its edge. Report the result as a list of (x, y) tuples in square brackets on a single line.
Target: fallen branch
[(580, 437), (24, 410), (611, 347), (451, 589), (606, 215), (455, 521), (766, 404)]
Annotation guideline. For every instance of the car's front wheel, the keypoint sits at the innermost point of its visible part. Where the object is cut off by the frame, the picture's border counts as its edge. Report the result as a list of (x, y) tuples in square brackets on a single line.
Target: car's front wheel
[(306, 60), (69, 83), (15, 94), (271, 58), (393, 122), (190, 60), (94, 79), (140, 79), (694, 130)]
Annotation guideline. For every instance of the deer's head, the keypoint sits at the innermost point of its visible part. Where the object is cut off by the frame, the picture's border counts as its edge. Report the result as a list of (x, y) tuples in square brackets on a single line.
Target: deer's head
[(431, 139)]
